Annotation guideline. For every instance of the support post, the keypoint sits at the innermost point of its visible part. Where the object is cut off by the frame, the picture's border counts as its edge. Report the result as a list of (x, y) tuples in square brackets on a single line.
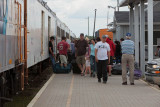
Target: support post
[(25, 42), (142, 37), (136, 32), (131, 20), (150, 30)]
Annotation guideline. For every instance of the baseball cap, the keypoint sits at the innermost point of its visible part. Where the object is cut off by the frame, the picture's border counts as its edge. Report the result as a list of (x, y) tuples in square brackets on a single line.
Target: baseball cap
[(104, 36), (129, 34)]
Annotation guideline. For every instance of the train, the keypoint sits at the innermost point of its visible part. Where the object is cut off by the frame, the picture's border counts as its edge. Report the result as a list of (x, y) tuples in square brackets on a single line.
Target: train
[(25, 29)]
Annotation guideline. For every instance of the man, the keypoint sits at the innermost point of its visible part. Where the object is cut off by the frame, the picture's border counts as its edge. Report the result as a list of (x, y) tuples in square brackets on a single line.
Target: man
[(63, 47), (81, 47), (113, 49), (102, 56), (51, 52), (128, 58)]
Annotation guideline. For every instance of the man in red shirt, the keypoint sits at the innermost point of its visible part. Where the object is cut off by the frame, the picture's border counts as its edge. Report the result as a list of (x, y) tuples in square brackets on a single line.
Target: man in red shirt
[(63, 46), (112, 51)]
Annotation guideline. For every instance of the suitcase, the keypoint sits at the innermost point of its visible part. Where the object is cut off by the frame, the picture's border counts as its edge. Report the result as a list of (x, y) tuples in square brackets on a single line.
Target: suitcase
[(75, 67), (117, 69), (137, 74), (60, 69)]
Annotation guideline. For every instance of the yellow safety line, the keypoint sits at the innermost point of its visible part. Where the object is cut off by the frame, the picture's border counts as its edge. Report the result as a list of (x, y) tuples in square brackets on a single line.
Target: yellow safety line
[(70, 93)]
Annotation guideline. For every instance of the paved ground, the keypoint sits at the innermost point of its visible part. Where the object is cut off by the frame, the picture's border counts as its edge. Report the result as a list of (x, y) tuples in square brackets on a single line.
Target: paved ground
[(67, 90)]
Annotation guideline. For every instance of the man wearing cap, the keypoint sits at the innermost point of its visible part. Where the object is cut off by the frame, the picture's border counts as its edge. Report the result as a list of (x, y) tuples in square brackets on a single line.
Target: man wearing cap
[(102, 56), (128, 58), (81, 47)]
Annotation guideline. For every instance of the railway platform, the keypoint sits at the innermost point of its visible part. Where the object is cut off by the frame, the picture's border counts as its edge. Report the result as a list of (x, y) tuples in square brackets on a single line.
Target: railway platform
[(69, 90)]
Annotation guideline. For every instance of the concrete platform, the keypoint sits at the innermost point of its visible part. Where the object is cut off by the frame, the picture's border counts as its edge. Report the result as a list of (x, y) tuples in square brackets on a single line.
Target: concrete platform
[(68, 90)]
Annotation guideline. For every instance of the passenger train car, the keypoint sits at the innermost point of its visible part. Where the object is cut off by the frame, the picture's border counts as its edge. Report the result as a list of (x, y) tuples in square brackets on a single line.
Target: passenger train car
[(25, 29)]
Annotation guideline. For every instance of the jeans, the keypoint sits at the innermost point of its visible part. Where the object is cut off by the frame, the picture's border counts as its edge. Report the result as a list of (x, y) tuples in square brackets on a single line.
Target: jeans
[(53, 62), (102, 69), (93, 64), (118, 59)]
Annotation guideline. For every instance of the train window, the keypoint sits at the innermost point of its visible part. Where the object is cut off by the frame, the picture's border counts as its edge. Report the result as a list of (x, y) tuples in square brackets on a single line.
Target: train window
[(42, 30), (49, 27)]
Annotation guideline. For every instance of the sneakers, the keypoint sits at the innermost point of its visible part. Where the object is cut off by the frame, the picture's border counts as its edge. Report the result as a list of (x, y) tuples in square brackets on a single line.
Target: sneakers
[(99, 80), (104, 82), (124, 83)]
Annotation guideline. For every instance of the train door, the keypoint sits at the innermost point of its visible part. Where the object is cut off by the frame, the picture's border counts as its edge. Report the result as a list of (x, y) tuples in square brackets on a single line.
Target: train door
[(42, 31), (49, 27)]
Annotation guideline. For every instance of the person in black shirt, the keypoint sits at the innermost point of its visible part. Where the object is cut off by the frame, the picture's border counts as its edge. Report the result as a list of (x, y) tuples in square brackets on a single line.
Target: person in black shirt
[(118, 53), (51, 52)]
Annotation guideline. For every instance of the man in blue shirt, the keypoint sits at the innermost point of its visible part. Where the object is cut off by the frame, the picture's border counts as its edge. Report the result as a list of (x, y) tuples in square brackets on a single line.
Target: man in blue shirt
[(128, 48)]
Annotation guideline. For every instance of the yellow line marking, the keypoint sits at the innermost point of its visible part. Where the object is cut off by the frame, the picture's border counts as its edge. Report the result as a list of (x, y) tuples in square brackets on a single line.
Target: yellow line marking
[(70, 93), (150, 85), (34, 100)]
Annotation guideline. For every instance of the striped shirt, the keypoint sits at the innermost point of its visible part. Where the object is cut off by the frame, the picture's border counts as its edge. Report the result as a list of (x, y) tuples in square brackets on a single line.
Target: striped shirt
[(128, 47)]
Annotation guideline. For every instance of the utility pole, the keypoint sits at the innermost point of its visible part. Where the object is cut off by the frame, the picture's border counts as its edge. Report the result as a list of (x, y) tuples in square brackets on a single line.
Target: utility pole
[(94, 23), (88, 26), (118, 4)]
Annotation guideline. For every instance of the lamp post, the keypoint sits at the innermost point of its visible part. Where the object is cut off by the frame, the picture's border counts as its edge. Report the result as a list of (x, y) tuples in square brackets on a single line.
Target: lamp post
[(108, 13)]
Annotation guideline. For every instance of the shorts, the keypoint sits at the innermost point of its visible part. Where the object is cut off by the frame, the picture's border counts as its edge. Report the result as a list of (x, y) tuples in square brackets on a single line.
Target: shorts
[(111, 61), (88, 64), (80, 59), (63, 59)]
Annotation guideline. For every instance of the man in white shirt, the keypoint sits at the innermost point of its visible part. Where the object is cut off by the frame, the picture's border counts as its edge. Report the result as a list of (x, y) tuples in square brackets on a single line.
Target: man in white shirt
[(102, 55)]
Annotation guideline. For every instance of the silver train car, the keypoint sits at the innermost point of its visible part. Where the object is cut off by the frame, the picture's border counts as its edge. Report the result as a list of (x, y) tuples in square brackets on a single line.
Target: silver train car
[(25, 29)]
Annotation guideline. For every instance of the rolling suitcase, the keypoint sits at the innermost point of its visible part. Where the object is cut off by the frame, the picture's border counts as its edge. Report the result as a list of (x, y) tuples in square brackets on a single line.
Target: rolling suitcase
[(60, 69)]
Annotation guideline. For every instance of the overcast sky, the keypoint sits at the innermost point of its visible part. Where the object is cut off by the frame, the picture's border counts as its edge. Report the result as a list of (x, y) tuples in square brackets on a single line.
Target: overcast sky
[(74, 13)]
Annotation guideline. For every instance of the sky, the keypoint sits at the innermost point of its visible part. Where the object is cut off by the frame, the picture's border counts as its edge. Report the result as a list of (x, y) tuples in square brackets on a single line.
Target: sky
[(74, 13)]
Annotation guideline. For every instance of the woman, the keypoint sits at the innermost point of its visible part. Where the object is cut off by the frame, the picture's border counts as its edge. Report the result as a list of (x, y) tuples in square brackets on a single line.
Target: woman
[(92, 57), (118, 53)]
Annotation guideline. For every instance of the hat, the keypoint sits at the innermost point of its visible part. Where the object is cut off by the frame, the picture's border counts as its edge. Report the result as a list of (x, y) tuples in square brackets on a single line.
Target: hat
[(129, 34), (104, 36)]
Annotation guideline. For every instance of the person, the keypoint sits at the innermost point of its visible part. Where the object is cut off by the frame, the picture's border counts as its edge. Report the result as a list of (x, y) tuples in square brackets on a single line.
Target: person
[(63, 47), (102, 55), (157, 53), (128, 58), (113, 48), (97, 39), (92, 57), (87, 58), (72, 45), (118, 52), (51, 52), (81, 47), (121, 40)]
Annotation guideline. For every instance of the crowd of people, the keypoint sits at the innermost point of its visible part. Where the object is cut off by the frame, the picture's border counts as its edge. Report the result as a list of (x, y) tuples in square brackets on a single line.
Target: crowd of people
[(96, 56)]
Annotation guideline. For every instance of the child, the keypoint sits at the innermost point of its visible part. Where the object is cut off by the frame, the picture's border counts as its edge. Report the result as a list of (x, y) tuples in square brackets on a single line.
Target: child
[(88, 65)]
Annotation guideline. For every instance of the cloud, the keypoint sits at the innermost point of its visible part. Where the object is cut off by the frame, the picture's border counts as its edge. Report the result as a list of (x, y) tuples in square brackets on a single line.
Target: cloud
[(74, 12)]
